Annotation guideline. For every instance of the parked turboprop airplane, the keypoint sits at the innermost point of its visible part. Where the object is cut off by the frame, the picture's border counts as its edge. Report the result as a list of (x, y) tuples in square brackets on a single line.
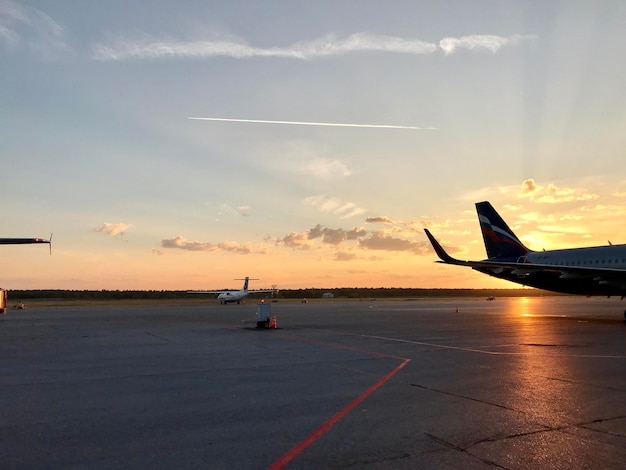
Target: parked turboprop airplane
[(21, 241), (599, 270), (16, 241), (226, 296)]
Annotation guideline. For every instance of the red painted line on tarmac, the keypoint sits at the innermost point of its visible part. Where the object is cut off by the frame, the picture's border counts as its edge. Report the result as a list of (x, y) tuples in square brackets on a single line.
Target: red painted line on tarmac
[(324, 428)]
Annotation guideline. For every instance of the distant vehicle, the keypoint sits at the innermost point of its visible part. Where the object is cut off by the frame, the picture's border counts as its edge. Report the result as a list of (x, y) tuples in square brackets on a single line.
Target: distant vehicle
[(231, 296), (491, 297), (599, 270)]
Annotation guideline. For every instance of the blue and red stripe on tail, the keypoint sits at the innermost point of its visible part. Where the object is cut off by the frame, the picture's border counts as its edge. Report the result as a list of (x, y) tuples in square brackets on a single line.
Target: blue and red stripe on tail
[(500, 241)]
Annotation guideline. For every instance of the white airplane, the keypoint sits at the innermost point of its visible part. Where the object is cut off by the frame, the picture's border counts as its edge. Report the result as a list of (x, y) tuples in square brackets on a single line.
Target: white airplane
[(227, 296), (599, 270)]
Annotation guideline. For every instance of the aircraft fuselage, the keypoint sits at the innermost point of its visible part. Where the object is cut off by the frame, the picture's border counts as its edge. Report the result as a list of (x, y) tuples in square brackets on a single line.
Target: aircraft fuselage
[(609, 257)]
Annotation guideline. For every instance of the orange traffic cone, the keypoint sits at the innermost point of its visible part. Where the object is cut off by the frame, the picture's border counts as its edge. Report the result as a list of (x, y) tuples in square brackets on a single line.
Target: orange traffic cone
[(273, 324)]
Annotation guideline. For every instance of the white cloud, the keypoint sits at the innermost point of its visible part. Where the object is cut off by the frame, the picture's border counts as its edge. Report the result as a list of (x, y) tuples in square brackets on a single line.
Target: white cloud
[(243, 210), (305, 159), (22, 26), (112, 229), (361, 42), (325, 168), (326, 46), (479, 43), (349, 209), (334, 206)]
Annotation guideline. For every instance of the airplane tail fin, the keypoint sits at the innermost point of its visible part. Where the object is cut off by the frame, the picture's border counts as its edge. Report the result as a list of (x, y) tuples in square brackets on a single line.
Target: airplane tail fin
[(500, 241), (245, 282)]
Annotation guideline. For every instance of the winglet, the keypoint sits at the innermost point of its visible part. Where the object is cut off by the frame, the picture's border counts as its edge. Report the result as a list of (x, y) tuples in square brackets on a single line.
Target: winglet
[(445, 257)]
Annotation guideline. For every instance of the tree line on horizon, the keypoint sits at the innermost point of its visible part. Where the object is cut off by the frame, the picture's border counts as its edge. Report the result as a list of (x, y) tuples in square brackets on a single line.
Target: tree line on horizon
[(308, 293)]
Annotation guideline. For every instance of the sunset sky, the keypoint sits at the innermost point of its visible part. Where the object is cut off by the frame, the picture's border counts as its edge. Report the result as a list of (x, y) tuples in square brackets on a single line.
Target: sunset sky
[(519, 103)]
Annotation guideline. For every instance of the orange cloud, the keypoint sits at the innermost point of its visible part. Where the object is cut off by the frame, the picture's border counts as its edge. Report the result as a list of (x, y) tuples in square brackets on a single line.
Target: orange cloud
[(380, 241), (379, 220), (182, 243), (552, 193)]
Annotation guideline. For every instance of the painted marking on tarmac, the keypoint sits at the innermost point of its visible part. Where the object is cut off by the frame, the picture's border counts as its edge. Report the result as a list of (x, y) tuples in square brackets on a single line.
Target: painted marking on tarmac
[(324, 428), (492, 353), (341, 346)]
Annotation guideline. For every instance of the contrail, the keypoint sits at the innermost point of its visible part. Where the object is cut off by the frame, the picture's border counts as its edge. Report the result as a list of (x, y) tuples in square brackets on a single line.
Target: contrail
[(301, 123)]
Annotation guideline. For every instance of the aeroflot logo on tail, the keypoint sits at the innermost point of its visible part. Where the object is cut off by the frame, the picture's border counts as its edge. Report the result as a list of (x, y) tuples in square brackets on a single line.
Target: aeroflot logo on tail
[(496, 233), (500, 238)]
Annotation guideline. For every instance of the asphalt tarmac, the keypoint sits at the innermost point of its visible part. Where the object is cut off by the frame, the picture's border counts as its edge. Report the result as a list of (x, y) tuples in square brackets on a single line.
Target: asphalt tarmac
[(512, 383)]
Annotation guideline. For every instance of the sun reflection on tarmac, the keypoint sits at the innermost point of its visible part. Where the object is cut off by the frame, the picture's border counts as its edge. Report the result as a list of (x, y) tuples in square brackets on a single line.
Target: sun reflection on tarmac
[(540, 377), (523, 306), (531, 307)]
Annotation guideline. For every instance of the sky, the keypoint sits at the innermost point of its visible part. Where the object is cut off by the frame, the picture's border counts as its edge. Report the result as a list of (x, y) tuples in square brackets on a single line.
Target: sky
[(519, 103)]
